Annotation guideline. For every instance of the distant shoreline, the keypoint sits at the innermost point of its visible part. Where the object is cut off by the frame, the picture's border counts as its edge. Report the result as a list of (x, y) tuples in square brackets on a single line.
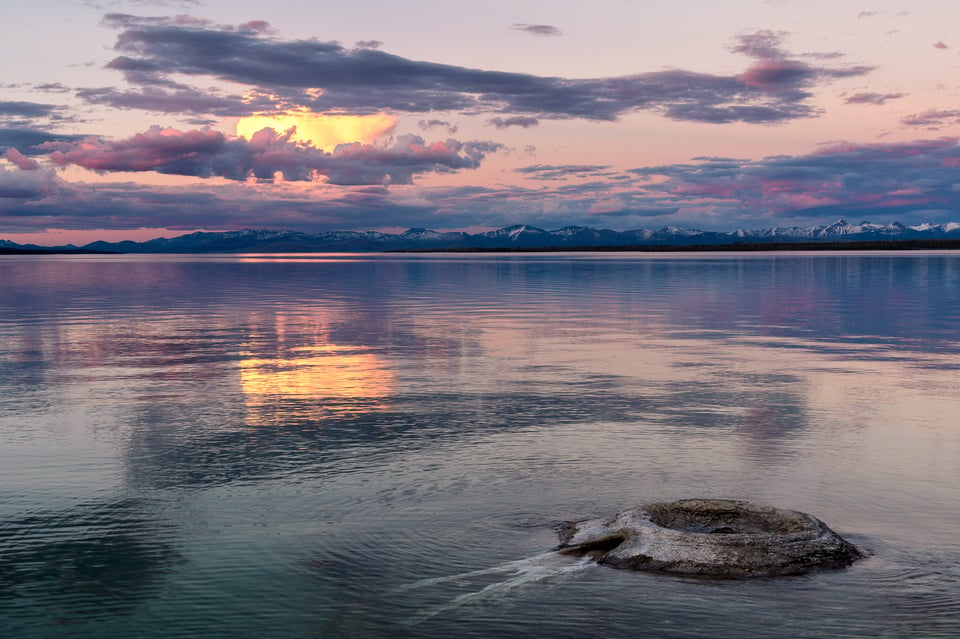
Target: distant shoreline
[(853, 245), (863, 245), (53, 251)]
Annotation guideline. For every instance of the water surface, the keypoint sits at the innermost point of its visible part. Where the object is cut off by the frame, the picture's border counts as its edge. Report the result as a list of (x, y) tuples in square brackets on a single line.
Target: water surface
[(381, 445)]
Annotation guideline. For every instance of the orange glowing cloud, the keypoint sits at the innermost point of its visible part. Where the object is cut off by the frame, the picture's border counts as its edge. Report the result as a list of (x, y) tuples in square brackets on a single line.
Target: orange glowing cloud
[(322, 131)]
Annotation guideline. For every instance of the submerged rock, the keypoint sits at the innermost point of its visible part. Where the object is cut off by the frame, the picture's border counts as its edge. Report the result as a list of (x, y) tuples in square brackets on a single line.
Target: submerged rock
[(715, 537)]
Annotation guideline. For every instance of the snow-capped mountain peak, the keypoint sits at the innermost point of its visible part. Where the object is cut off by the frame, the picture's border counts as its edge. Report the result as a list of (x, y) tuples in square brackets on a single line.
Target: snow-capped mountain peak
[(516, 236)]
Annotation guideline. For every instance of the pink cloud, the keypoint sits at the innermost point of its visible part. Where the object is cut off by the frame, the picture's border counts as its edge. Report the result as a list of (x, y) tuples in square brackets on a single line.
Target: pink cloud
[(893, 202), (806, 200), (155, 149), (842, 175), (266, 154), (940, 45), (775, 74), (21, 161)]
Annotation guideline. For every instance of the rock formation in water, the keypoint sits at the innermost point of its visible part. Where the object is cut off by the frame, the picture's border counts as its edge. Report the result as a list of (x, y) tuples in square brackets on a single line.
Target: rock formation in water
[(715, 537)]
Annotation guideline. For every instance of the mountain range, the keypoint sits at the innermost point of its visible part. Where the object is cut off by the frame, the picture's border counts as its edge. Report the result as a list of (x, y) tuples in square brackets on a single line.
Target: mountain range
[(521, 236)]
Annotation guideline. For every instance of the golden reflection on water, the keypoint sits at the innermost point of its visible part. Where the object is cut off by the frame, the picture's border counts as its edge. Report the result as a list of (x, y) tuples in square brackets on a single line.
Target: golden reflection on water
[(313, 381)]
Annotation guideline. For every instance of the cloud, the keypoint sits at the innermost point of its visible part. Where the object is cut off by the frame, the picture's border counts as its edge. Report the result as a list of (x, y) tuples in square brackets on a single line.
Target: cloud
[(775, 72), (182, 101), (517, 120), (204, 153), (28, 139), (257, 26), (764, 44), (868, 181), (52, 87), (939, 44), (559, 172), (31, 110), (842, 179), (426, 125), (19, 160), (26, 184), (326, 77), (128, 205), (537, 29), (932, 119), (872, 98), (30, 114)]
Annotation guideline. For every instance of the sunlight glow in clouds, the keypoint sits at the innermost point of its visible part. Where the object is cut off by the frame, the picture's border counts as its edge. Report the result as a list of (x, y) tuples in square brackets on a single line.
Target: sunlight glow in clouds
[(324, 132)]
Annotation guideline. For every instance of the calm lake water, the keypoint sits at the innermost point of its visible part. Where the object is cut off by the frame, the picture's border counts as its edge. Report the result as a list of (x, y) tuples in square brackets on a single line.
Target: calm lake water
[(381, 445)]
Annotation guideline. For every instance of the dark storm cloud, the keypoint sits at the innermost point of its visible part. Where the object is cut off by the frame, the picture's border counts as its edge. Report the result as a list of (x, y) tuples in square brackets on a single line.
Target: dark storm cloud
[(774, 89), (536, 29), (210, 153), (872, 98)]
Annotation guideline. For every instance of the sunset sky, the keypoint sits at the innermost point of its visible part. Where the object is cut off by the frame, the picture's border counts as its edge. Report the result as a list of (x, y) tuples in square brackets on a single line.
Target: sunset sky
[(137, 118)]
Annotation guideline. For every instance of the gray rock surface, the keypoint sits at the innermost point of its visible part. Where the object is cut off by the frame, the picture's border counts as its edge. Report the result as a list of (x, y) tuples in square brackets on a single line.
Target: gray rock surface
[(715, 537)]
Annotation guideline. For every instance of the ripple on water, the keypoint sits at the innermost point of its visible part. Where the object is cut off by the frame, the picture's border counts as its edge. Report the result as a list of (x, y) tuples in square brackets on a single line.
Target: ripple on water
[(88, 562)]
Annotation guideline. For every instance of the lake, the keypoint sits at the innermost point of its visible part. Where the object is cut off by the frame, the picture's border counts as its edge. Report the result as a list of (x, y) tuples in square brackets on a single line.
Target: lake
[(382, 445)]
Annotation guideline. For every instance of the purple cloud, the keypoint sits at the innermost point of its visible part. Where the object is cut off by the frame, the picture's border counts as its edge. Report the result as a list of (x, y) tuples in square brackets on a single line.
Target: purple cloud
[(887, 181), (210, 153), (19, 160), (774, 89), (426, 125), (933, 119), (52, 87), (31, 184), (28, 139), (559, 172), (521, 121), (30, 110), (536, 29), (845, 178), (872, 98)]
